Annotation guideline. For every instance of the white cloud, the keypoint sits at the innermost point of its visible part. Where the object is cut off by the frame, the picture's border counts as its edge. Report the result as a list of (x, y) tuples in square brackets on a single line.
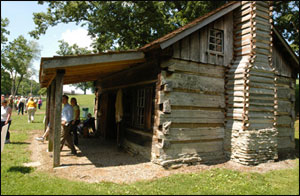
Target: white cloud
[(78, 36)]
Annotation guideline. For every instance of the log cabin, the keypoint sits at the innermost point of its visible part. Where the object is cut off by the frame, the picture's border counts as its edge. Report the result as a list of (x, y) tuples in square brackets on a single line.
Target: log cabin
[(219, 88)]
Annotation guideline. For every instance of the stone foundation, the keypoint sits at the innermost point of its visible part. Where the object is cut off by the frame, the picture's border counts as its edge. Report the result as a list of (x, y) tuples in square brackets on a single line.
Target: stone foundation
[(252, 147)]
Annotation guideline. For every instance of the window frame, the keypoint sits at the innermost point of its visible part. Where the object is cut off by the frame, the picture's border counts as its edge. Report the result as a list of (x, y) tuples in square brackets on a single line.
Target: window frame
[(215, 44)]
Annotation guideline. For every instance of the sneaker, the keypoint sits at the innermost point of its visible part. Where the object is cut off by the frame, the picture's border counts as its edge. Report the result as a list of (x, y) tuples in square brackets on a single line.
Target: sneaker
[(39, 139), (7, 141)]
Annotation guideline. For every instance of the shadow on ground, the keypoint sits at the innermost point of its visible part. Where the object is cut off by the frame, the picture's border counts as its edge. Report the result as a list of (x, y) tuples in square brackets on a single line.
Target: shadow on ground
[(19, 143), (103, 153), (21, 169)]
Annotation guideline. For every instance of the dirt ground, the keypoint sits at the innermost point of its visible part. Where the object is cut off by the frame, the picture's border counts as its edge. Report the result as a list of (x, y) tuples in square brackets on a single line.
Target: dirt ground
[(99, 161)]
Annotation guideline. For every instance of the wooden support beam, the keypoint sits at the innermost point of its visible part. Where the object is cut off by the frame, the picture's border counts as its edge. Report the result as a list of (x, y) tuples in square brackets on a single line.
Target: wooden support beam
[(57, 116), (47, 120), (51, 115)]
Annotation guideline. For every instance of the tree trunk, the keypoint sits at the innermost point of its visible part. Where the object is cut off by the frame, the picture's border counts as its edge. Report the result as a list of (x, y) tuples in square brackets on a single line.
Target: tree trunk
[(13, 83), (21, 78)]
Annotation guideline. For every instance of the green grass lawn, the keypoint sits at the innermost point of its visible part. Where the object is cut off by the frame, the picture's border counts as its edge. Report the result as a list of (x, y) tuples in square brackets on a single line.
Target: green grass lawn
[(19, 180)]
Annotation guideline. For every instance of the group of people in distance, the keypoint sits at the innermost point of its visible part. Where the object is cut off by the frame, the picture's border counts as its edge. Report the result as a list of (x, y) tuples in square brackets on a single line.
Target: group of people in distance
[(70, 120), (20, 104)]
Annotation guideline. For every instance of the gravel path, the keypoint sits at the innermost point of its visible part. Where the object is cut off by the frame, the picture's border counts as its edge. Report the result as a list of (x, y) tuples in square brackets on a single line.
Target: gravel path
[(99, 161)]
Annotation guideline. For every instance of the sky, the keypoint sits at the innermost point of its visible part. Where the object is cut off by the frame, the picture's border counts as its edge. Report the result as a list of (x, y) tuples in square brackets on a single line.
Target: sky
[(20, 16)]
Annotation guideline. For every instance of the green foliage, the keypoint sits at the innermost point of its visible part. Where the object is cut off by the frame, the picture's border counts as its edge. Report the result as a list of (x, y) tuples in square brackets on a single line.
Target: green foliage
[(287, 20), (17, 58), (4, 23), (42, 91), (66, 49), (117, 25), (28, 86)]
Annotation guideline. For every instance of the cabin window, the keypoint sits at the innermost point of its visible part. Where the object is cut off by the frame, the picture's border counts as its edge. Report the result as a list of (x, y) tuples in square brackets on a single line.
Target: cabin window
[(140, 107), (137, 108), (215, 41)]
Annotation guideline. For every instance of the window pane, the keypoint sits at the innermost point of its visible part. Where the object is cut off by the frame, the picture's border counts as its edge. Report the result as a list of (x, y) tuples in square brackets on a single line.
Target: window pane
[(219, 41), (211, 47), (212, 32), (212, 40), (219, 48), (218, 34)]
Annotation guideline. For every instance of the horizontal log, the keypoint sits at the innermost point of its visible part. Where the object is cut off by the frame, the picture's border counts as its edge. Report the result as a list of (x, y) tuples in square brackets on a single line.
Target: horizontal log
[(285, 142), (284, 120), (193, 148), (202, 133), (261, 85), (193, 82), (193, 99), (261, 79), (261, 91), (164, 119), (260, 108), (284, 131), (284, 106), (193, 67), (284, 92), (207, 114)]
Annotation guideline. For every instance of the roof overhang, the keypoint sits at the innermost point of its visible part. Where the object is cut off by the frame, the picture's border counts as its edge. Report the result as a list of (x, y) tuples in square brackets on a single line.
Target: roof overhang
[(84, 68)]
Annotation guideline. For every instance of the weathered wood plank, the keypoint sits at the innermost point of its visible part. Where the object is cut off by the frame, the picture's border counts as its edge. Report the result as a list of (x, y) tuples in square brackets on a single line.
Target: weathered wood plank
[(198, 147), (195, 47), (284, 106), (193, 99), (185, 48), (228, 38), (285, 142), (52, 113), (193, 67), (57, 116), (283, 120), (176, 50), (194, 82), (200, 133), (192, 116), (284, 131), (203, 44)]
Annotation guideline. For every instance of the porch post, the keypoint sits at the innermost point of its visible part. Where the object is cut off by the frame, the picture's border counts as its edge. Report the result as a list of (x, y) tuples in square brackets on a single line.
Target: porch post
[(47, 107), (51, 115), (57, 116)]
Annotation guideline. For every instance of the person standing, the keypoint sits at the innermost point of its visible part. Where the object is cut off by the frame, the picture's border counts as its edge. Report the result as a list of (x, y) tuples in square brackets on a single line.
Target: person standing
[(31, 108), (66, 120), (6, 118), (40, 103), (21, 105), (76, 120)]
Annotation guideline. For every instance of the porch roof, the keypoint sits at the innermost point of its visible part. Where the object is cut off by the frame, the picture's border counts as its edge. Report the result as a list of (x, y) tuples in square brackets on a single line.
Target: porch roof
[(82, 68)]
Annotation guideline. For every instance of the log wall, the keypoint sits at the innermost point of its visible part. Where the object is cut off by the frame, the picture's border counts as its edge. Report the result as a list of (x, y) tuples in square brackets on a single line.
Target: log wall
[(285, 115), (251, 135), (189, 121)]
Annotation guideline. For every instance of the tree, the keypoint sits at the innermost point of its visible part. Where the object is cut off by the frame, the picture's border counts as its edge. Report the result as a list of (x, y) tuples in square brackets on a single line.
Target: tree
[(286, 16), (4, 23), (117, 25), (17, 59), (66, 49)]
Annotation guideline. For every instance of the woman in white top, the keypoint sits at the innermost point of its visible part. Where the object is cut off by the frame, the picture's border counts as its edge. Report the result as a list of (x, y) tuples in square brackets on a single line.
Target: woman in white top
[(5, 118)]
